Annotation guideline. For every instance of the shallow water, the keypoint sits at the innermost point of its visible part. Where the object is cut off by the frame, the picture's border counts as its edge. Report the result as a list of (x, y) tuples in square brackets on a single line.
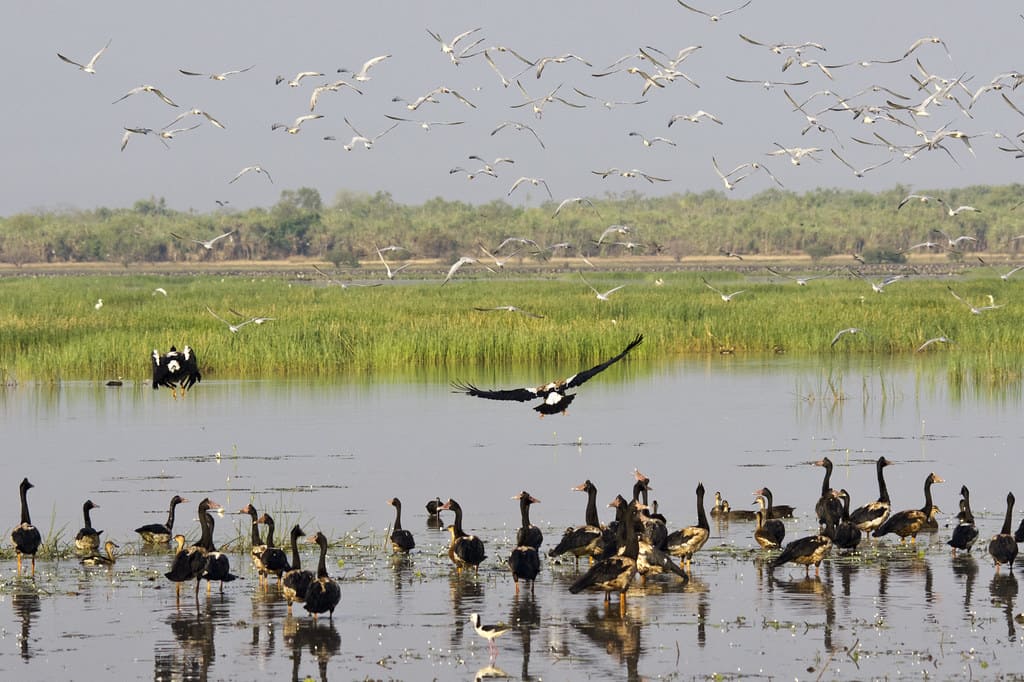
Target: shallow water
[(330, 456)]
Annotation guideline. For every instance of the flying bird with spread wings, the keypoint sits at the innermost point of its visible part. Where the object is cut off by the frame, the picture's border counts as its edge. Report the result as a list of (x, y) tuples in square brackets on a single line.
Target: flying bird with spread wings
[(555, 396)]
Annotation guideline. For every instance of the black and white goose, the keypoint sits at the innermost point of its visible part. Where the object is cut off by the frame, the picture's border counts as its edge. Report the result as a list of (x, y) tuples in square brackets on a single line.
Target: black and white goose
[(176, 368), (555, 396)]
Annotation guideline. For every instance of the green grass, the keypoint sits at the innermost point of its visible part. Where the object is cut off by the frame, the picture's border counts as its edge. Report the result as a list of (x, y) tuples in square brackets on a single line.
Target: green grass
[(50, 330)]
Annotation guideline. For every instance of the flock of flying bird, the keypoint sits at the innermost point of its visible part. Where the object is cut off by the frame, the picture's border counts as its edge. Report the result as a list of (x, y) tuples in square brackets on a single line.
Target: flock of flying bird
[(914, 84)]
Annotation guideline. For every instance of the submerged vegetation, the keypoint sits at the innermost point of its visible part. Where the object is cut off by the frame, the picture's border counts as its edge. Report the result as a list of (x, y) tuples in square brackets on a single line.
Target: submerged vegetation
[(51, 329)]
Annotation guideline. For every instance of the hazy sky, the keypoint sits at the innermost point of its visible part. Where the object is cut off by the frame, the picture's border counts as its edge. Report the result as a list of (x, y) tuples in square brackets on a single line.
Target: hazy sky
[(62, 133)]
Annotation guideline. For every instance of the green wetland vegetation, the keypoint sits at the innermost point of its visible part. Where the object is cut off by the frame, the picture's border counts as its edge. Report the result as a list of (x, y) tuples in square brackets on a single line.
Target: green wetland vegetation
[(51, 330)]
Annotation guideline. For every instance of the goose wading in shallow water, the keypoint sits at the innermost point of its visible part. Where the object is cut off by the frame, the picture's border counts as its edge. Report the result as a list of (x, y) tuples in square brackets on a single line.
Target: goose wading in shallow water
[(554, 394), (160, 534), (874, 514), (615, 573), (910, 522), (88, 538), (295, 583), (966, 533), (401, 539), (324, 593), (586, 540), (464, 549), (1003, 547), (25, 536)]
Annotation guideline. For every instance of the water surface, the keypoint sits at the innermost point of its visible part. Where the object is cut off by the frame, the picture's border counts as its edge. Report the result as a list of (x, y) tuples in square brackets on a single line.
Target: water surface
[(329, 456)]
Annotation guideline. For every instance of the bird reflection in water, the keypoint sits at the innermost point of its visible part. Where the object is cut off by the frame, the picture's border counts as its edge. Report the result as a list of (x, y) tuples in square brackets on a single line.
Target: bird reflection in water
[(467, 595), (1003, 590), (966, 566), (25, 602), (819, 587), (618, 633), (192, 653), (268, 609), (524, 617), (322, 641)]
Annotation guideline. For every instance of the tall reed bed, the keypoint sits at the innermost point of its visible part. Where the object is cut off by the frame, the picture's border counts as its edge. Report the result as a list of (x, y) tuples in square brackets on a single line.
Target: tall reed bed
[(50, 329)]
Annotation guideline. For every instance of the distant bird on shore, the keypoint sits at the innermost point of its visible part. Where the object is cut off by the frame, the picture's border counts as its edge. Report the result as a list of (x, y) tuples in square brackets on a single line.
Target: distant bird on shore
[(89, 66), (555, 396), (176, 368)]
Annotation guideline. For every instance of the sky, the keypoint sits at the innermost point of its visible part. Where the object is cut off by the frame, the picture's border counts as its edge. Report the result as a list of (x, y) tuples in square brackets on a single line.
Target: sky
[(63, 130)]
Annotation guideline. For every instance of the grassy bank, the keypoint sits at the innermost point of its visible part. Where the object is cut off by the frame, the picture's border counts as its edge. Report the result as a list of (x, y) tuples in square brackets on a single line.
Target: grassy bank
[(51, 330)]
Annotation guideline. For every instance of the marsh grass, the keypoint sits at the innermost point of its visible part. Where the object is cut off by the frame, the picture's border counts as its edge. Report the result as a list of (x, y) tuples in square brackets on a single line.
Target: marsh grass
[(50, 330)]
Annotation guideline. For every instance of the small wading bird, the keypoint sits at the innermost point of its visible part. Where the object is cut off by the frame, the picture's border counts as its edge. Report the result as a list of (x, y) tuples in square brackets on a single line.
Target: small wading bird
[(89, 66), (554, 393), (488, 632), (176, 368)]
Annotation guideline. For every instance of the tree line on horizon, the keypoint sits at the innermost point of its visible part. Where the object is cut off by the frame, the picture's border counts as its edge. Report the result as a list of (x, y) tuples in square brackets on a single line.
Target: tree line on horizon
[(818, 223)]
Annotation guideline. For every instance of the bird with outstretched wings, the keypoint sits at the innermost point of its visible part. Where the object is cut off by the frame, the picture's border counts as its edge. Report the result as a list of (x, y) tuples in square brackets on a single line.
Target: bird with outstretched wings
[(554, 393)]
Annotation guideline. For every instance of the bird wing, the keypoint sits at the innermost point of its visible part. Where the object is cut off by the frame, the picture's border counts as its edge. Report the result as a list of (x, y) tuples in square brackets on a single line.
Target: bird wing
[(517, 394), (580, 377)]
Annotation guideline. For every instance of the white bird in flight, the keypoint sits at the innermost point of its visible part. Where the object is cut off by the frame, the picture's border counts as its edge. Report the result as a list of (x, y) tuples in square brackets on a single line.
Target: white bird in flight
[(510, 309), (533, 181), (363, 74), (205, 243), (296, 127), (294, 83), (575, 200), (146, 88), (216, 76), (694, 118), (390, 273), (843, 332), (601, 295), (709, 15), (937, 339), (233, 328), (976, 310), (725, 297), (464, 260), (90, 66), (449, 48), (196, 112), (257, 168)]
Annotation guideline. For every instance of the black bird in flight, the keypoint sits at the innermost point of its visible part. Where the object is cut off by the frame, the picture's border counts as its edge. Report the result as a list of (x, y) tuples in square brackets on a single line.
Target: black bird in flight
[(554, 393)]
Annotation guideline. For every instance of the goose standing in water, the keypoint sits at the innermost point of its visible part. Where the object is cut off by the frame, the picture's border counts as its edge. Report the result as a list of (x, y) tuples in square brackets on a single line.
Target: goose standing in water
[(401, 539), (808, 550), (910, 522), (295, 583), (273, 558), (465, 549), (828, 507), (524, 559), (258, 546), (25, 536), (217, 566), (160, 534), (88, 538), (873, 514), (615, 573), (686, 542), (847, 535), (187, 565), (324, 593), (586, 540), (966, 533), (770, 531), (1003, 547)]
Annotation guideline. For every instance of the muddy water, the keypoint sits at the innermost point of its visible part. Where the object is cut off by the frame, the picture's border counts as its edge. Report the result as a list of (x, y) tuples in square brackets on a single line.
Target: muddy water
[(330, 456)]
